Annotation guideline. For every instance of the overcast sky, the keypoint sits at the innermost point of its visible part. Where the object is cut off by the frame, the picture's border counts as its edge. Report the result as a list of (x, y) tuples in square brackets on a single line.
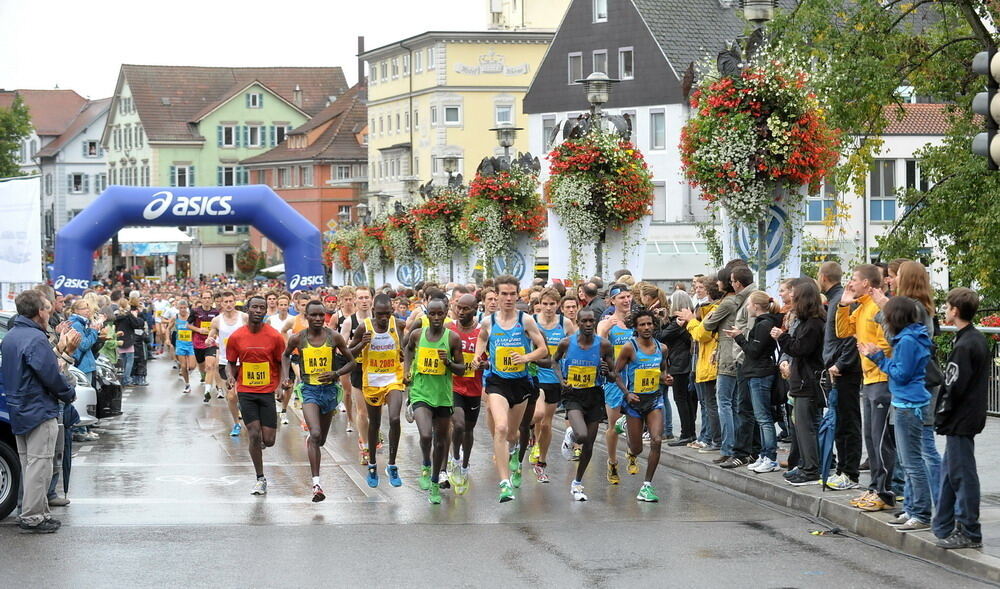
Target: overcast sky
[(81, 45)]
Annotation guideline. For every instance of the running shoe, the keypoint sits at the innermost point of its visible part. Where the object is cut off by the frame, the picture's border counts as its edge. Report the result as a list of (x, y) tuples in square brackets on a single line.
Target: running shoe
[(208, 397), (462, 484), (260, 487), (408, 413), (576, 491), (647, 493), (956, 540), (318, 494), (756, 463), (577, 453), (767, 465), (515, 477), (841, 482), (349, 428), (237, 429), (633, 463), (709, 449), (913, 525), (540, 475), (697, 445), (392, 471), (874, 504), (219, 394), (514, 462), (435, 495), (443, 480), (613, 477), (284, 418), (452, 471), (535, 454), (506, 492), (645, 437), (187, 389), (567, 444), (862, 498), (900, 519), (372, 476), (620, 425), (425, 477)]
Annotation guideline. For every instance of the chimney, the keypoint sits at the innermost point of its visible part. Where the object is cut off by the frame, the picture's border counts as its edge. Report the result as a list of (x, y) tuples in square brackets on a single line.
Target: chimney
[(361, 62), (297, 96)]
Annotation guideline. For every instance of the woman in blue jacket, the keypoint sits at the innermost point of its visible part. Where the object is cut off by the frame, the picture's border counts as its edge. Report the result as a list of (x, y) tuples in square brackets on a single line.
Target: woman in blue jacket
[(907, 368), (81, 321)]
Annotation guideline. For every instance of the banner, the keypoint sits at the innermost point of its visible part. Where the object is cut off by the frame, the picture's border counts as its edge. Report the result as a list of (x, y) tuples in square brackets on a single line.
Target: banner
[(162, 248), (20, 229), (622, 249)]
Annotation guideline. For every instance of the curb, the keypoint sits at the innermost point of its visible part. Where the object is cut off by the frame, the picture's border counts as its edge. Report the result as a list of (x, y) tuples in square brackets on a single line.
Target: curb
[(832, 506)]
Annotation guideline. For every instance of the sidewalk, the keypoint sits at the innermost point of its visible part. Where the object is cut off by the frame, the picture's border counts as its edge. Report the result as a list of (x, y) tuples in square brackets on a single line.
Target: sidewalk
[(833, 506)]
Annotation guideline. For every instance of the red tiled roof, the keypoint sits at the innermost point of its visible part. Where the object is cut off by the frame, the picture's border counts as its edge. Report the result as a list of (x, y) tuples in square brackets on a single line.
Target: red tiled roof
[(338, 142), (917, 119), (192, 91), (91, 112), (51, 111)]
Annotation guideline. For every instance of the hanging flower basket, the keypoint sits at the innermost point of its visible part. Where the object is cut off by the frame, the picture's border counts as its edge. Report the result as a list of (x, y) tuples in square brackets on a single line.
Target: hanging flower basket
[(374, 245), (345, 249), (401, 234), (439, 225)]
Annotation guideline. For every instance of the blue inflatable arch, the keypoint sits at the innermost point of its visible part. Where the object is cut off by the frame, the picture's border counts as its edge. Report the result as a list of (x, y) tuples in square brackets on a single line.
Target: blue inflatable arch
[(124, 206)]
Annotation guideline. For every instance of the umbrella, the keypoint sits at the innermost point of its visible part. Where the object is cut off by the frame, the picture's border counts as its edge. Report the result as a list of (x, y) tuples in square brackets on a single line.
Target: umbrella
[(827, 431)]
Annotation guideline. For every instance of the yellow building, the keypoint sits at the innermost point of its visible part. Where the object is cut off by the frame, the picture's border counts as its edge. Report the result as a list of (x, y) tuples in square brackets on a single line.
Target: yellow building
[(437, 95)]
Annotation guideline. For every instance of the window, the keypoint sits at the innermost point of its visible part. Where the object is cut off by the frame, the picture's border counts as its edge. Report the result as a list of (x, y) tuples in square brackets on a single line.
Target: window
[(182, 176), (260, 176), (48, 185), (434, 115), (398, 126), (504, 113), (343, 172), (255, 100), (307, 175), (626, 64), (385, 70), (600, 10), (882, 191), (575, 67), (228, 176), (822, 206), (915, 179), (395, 68), (406, 120), (381, 125), (77, 183), (128, 136), (344, 211), (255, 136), (228, 230), (280, 132), (600, 61), (416, 119), (659, 202), (138, 136), (91, 149), (657, 130), (430, 58), (283, 178), (388, 124), (416, 166), (548, 126), (228, 136), (145, 176), (102, 183), (452, 115), (114, 176), (418, 62), (406, 65)]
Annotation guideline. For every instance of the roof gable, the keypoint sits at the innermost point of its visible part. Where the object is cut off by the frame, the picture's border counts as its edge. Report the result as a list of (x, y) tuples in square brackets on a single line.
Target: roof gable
[(94, 110), (917, 119), (238, 90), (51, 111)]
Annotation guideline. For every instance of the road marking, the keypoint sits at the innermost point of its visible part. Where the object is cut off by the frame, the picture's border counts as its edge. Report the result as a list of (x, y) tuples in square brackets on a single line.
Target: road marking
[(85, 448), (188, 465), (203, 501)]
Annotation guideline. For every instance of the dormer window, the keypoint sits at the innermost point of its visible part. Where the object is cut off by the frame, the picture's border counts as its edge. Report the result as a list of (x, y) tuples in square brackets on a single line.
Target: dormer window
[(600, 10)]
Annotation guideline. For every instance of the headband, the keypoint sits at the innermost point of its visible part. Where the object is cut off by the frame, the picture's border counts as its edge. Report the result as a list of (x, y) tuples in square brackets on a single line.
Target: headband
[(617, 290)]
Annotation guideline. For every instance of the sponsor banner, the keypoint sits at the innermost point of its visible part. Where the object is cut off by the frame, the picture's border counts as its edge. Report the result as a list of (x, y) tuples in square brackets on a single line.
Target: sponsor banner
[(20, 230)]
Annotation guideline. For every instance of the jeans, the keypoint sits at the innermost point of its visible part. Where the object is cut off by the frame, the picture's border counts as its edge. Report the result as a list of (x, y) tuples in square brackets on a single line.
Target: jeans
[(128, 359), (958, 501), (760, 395), (932, 462), (709, 413), (909, 446), (747, 441), (725, 392), (668, 413)]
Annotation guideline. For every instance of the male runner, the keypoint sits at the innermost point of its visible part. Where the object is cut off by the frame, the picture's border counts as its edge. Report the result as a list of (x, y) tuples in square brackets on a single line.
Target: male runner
[(320, 389), (569, 308), (347, 308), (272, 305), (167, 316), (257, 349), (349, 328), (160, 305), (280, 316), (295, 324), (438, 354), (184, 349), (490, 303), (614, 329), (204, 354), (507, 335), (468, 394), (223, 327), (378, 343), (640, 368), (580, 362)]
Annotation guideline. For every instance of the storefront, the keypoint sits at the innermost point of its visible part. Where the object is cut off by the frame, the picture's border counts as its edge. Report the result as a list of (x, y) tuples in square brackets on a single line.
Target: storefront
[(151, 252)]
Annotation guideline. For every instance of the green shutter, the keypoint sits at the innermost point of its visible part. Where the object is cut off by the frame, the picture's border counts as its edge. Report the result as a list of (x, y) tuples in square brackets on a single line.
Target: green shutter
[(173, 175), (246, 100), (220, 176), (86, 183), (191, 181), (272, 134), (246, 135), (260, 100), (218, 130)]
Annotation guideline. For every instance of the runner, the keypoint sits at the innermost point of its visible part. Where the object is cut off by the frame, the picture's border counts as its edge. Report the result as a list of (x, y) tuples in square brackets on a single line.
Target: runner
[(468, 394), (257, 349), (294, 324), (581, 361), (569, 307), (223, 327), (437, 352), (320, 389), (640, 369), (184, 349), (166, 325), (204, 354), (348, 329), (160, 305), (272, 305), (280, 316), (378, 343), (614, 329), (507, 335), (347, 308)]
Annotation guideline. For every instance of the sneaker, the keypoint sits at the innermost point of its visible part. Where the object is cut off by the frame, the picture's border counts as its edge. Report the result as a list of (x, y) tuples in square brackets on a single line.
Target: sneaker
[(899, 519), (801, 479), (515, 477), (841, 482), (706, 449), (443, 480), (577, 453), (349, 428), (318, 494), (734, 462), (208, 397), (540, 475), (435, 495), (187, 389), (408, 413), (791, 473), (506, 492), (425, 478), (874, 504), (451, 469), (646, 438), (680, 442), (535, 454), (567, 444), (47, 526), (767, 465), (237, 429), (91, 436), (577, 492), (633, 463), (219, 394), (514, 463), (620, 425), (462, 484), (756, 463), (613, 477), (913, 525), (392, 471), (958, 540), (864, 466), (372, 479), (284, 418), (648, 494), (697, 445), (59, 502), (260, 487), (720, 459)]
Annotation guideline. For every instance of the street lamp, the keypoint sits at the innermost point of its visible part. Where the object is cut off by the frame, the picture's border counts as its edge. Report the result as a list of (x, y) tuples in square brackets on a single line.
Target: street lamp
[(383, 200), (506, 134), (758, 12), (363, 213), (345, 218), (450, 165), (597, 87)]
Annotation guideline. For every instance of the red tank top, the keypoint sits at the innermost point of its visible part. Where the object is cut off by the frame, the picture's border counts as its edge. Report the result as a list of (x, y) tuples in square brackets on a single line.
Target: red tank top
[(469, 384)]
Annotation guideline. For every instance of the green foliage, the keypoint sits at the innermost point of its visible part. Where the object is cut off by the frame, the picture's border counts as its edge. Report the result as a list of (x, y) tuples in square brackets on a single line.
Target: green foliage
[(15, 125)]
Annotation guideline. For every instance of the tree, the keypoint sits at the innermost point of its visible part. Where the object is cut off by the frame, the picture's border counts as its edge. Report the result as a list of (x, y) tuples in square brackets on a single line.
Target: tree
[(15, 126)]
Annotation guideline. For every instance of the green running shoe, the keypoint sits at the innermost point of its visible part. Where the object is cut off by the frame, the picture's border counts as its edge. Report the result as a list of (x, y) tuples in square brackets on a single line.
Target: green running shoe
[(514, 462), (435, 496), (620, 425), (648, 494), (425, 477), (515, 478), (506, 492)]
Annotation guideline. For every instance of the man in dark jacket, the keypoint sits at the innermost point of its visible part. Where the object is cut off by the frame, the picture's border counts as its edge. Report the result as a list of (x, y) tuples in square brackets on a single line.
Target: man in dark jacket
[(34, 385), (840, 356), (961, 414)]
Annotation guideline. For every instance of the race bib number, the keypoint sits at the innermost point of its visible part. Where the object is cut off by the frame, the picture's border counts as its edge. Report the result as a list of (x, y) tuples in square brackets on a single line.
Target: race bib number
[(428, 362), (317, 360), (552, 350), (505, 361), (647, 380), (225, 342), (205, 325), (184, 335), (469, 357), (582, 377), (256, 374), (158, 314), (618, 349), (382, 362)]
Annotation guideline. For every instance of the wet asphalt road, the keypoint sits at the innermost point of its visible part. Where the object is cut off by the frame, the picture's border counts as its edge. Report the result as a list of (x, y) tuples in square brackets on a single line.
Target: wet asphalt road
[(164, 499)]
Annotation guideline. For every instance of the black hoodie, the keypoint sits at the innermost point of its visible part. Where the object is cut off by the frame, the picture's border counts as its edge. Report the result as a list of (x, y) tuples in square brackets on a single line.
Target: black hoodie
[(759, 348)]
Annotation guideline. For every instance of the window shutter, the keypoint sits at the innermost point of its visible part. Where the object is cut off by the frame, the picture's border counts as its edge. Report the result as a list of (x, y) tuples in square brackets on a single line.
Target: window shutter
[(84, 149), (191, 181), (260, 100), (246, 99), (173, 175), (100, 150), (244, 176), (86, 183), (69, 182), (246, 135), (219, 133), (271, 134), (220, 176)]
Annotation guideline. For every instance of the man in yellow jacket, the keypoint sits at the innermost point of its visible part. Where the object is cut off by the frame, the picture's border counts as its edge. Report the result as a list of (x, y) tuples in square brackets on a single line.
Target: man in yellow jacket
[(879, 438)]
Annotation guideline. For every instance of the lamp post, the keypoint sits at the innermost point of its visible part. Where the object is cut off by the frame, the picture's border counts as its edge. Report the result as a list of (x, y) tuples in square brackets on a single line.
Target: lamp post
[(364, 214), (760, 12), (383, 201), (450, 164), (506, 134)]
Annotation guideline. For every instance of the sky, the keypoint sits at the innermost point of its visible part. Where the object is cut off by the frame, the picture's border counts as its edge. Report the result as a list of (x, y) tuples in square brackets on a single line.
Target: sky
[(81, 45)]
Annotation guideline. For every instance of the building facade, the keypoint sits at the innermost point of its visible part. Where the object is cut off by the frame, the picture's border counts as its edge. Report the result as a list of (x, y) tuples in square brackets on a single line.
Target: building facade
[(192, 126)]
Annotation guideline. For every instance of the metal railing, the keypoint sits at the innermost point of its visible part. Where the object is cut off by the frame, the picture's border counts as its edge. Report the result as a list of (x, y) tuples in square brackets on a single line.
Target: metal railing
[(993, 396)]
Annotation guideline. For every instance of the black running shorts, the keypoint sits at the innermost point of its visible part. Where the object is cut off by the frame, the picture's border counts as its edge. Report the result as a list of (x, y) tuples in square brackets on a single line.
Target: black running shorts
[(515, 390), (470, 406), (589, 401), (259, 407)]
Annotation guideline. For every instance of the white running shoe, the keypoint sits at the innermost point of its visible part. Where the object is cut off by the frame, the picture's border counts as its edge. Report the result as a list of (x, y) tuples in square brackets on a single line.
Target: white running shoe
[(567, 444), (577, 492), (757, 463), (767, 465), (408, 414), (284, 418), (260, 487)]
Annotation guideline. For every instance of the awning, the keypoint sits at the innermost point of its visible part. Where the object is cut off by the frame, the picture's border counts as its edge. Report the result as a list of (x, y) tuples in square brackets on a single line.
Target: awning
[(152, 235)]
